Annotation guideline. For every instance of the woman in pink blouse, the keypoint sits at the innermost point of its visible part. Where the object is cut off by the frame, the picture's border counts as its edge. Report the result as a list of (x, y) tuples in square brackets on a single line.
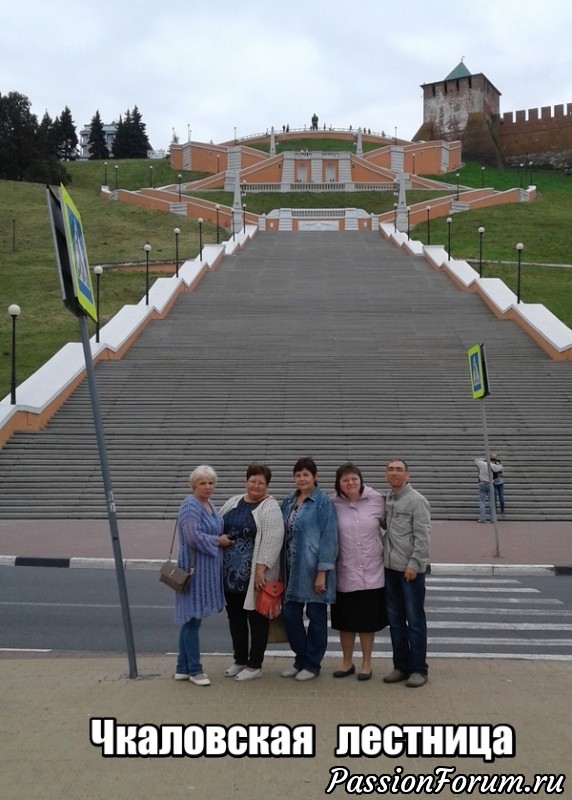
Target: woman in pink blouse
[(360, 600)]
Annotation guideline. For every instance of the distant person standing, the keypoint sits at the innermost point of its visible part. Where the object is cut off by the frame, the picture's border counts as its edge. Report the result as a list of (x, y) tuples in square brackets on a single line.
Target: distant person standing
[(485, 486), (406, 555), (498, 483)]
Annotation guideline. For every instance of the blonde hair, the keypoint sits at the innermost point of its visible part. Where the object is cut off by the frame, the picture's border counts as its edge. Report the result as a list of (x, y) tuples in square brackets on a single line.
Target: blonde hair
[(202, 471)]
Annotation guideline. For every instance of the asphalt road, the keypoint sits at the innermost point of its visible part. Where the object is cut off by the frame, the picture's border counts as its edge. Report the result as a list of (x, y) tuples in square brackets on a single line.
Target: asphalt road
[(78, 610)]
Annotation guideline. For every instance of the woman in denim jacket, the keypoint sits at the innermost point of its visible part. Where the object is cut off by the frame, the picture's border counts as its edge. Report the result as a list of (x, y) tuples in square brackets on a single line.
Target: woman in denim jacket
[(308, 559)]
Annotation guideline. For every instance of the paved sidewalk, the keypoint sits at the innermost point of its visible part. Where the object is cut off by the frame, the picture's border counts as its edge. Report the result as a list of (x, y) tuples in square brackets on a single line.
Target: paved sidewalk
[(452, 542), (47, 705)]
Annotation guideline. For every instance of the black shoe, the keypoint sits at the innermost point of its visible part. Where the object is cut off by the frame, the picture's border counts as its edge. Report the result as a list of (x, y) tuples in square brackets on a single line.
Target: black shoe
[(343, 673), (364, 676)]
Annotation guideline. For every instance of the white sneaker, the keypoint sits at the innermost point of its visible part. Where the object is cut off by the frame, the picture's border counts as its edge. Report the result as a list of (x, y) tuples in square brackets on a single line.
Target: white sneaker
[(202, 679), (305, 675), (289, 672), (248, 675), (233, 670)]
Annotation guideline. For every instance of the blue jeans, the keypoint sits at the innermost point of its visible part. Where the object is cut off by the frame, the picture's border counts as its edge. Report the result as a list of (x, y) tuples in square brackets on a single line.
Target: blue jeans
[(484, 499), (407, 624), (189, 658), (499, 496), (310, 645)]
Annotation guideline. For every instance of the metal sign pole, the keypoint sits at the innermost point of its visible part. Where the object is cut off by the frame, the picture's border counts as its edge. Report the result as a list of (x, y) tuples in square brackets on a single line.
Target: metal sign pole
[(480, 389), (108, 497), (492, 503)]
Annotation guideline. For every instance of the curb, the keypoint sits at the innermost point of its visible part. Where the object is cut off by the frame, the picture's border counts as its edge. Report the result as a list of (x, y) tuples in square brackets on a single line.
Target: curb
[(155, 564)]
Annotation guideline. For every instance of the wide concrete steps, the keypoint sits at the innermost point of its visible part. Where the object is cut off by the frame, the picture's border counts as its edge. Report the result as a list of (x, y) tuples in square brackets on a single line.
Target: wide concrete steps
[(332, 345)]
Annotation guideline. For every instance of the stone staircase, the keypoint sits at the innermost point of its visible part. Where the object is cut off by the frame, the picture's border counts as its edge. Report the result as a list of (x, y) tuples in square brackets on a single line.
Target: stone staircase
[(335, 345)]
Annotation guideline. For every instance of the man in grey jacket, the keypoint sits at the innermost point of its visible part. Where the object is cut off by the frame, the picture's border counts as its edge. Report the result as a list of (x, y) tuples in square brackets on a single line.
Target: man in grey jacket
[(406, 555)]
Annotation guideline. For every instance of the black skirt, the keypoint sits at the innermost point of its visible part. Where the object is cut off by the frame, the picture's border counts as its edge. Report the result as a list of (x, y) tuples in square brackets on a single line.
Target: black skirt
[(362, 612)]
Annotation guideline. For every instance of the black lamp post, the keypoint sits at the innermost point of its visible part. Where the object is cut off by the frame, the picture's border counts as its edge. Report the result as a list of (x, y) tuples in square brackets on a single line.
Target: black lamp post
[(449, 221), (179, 177), (147, 248), (98, 272), (481, 231), (519, 249), (521, 171), (151, 175), (116, 171), (232, 223), (413, 159), (395, 216), (200, 238), (105, 173), (530, 166), (176, 231), (14, 312), (217, 209), (457, 176), (408, 222), (482, 177), (244, 216)]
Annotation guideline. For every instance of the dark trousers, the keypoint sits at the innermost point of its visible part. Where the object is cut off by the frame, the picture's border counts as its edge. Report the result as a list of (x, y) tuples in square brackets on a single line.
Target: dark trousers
[(244, 625), (407, 624)]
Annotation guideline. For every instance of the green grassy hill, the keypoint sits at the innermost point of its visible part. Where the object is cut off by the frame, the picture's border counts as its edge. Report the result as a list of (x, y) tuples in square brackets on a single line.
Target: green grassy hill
[(115, 233)]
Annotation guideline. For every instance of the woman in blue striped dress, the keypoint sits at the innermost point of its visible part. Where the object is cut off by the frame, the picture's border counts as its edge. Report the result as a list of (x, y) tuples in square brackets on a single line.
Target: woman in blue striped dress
[(200, 527)]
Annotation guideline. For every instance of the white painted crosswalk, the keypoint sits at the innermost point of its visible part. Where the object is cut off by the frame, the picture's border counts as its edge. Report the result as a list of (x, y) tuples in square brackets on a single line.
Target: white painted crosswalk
[(501, 618)]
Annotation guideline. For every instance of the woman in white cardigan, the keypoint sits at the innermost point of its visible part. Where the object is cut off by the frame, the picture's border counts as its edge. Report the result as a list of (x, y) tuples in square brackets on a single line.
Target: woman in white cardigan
[(252, 541)]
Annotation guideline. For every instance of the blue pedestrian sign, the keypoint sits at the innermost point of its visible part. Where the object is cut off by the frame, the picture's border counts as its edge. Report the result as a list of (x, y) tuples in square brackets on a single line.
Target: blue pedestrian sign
[(478, 371)]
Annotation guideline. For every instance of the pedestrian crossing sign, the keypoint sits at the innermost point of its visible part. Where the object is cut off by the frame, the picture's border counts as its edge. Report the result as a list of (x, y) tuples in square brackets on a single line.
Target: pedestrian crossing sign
[(478, 371), (71, 254)]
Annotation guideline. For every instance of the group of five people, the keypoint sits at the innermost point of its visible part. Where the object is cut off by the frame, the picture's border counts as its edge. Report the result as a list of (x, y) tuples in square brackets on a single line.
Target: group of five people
[(358, 551)]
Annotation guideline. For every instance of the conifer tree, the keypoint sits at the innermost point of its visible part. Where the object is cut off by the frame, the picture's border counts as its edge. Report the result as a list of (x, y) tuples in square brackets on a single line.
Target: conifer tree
[(96, 144), (65, 137)]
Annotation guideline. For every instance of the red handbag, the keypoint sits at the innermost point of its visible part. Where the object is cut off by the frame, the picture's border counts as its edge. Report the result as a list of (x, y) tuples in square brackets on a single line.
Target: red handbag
[(269, 599)]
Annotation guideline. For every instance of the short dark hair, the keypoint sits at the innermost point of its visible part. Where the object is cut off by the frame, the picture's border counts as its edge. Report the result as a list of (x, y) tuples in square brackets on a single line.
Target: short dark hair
[(348, 469), (305, 463), (259, 469), (401, 461)]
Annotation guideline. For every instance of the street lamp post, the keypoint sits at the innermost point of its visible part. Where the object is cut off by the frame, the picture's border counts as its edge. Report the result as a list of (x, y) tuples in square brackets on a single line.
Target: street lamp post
[(481, 231), (408, 222), (482, 177), (395, 216), (519, 249), (147, 248), (105, 173), (521, 171), (449, 221), (179, 177), (428, 210), (200, 238), (217, 209), (151, 175), (14, 311), (457, 176), (98, 272), (116, 171), (244, 216), (176, 231)]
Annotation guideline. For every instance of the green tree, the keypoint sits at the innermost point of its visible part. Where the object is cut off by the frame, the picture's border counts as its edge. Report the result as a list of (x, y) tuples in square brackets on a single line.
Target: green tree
[(141, 144), (96, 144), (131, 139), (19, 140), (65, 136)]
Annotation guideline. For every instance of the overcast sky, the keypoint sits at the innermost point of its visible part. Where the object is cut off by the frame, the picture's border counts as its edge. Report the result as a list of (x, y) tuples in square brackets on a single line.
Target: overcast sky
[(215, 66)]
